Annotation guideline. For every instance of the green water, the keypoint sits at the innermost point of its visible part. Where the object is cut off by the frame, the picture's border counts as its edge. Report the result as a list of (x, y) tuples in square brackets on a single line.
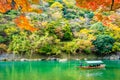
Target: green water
[(53, 70)]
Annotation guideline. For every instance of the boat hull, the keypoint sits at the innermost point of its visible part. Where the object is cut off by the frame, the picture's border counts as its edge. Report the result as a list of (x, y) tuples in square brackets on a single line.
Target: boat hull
[(87, 67)]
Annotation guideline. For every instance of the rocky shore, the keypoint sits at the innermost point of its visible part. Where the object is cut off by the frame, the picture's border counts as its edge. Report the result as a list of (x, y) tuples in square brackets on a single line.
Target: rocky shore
[(13, 57)]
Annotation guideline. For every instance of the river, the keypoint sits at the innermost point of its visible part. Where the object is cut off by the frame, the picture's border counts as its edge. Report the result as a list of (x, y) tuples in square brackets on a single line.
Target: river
[(54, 70)]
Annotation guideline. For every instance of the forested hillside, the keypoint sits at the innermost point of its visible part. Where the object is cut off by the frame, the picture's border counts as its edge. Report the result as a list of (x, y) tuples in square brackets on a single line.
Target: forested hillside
[(55, 27)]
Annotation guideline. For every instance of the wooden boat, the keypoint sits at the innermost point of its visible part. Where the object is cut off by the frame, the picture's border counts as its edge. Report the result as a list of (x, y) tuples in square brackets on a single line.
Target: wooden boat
[(92, 65)]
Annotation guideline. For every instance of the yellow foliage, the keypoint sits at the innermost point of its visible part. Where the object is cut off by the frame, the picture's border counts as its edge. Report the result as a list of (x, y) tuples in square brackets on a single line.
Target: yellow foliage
[(3, 47), (82, 19), (113, 27), (44, 23), (86, 34), (10, 30), (50, 1), (69, 2), (57, 5), (83, 44), (57, 15)]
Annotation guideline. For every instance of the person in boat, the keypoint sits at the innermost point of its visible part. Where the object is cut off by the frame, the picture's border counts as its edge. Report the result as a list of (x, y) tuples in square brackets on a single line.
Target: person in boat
[(81, 64)]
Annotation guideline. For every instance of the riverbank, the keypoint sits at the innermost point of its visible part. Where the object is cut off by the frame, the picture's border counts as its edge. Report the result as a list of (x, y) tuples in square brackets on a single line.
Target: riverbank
[(37, 57)]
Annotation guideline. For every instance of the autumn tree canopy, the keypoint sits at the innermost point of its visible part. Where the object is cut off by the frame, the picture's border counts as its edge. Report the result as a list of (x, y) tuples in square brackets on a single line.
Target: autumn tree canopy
[(23, 23), (95, 4), (22, 5), (5, 6)]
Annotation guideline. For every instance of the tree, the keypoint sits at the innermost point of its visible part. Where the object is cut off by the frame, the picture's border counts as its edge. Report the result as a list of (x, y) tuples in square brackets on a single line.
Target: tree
[(103, 44), (112, 4), (5, 6), (22, 5), (95, 4), (23, 23)]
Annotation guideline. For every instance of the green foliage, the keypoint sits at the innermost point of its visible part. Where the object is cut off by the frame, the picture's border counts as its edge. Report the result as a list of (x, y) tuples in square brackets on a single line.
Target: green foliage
[(62, 28), (11, 31), (46, 49), (52, 26), (116, 47), (103, 44), (68, 36), (69, 47), (50, 1), (2, 39), (97, 27), (34, 43), (72, 13), (20, 44), (12, 12), (89, 14)]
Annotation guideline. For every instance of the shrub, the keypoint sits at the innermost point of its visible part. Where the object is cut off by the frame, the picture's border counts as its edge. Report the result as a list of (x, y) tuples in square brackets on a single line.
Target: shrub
[(116, 47), (3, 48), (103, 44), (68, 36), (2, 39), (98, 27), (89, 14), (57, 5)]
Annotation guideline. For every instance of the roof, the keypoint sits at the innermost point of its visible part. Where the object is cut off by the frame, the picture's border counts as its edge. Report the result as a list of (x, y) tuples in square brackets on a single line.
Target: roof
[(94, 62)]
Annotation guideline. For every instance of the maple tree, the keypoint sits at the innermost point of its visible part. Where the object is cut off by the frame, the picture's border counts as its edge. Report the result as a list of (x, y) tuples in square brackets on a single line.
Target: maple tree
[(23, 23), (22, 5), (36, 1), (5, 6), (95, 4)]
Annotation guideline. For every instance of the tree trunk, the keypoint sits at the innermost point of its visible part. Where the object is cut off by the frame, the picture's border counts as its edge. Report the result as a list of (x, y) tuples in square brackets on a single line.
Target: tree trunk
[(112, 4)]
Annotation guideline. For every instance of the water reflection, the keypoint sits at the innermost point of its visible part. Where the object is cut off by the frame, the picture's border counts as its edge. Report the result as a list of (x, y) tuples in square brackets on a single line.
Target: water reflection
[(48, 70)]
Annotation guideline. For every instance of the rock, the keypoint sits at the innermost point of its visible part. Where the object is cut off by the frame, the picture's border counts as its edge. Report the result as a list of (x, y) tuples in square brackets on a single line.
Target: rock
[(114, 57), (106, 57), (23, 59), (62, 60), (77, 59), (7, 56), (53, 59)]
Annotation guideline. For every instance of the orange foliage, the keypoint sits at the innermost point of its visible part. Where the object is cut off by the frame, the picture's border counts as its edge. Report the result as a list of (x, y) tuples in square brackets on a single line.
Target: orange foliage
[(95, 4), (23, 23), (106, 20), (23, 5), (36, 1), (5, 6)]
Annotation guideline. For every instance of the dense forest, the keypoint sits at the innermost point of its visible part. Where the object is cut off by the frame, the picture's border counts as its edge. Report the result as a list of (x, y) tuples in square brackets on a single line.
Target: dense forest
[(55, 27)]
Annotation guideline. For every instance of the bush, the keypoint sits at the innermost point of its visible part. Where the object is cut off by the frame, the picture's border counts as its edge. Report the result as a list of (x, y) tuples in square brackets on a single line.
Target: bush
[(72, 13), (103, 44), (98, 27), (2, 39), (68, 36), (3, 48), (29, 44), (89, 14), (116, 47), (57, 5)]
